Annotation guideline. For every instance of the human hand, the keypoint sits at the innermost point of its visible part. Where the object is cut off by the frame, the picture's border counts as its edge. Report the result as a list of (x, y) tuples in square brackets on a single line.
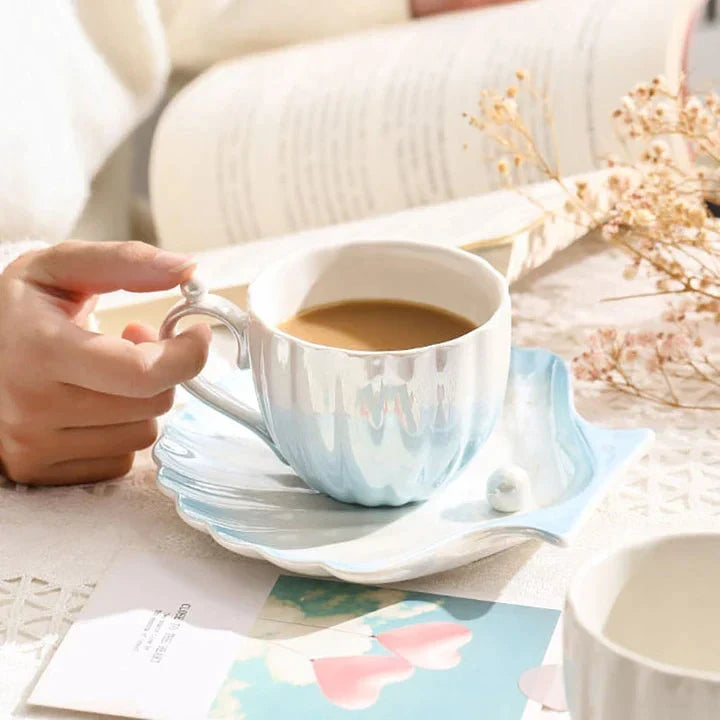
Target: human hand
[(75, 405)]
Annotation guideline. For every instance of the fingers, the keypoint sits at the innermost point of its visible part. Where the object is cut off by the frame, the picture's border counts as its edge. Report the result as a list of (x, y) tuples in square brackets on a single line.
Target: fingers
[(114, 366), (79, 471), (62, 406), (79, 407), (138, 333), (100, 442), (54, 455), (75, 405), (103, 267)]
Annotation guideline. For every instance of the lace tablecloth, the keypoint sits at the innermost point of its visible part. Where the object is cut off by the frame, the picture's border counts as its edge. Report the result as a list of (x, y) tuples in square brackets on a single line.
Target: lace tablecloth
[(56, 543)]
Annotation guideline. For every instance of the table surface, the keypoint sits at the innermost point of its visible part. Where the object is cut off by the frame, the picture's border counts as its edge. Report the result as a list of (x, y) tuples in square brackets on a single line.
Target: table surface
[(56, 543)]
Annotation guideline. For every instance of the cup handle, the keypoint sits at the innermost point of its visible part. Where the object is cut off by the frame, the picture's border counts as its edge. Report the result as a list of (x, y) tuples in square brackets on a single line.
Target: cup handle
[(199, 302)]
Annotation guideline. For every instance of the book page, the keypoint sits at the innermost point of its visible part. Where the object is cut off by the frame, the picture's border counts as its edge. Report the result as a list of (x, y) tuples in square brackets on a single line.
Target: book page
[(369, 124)]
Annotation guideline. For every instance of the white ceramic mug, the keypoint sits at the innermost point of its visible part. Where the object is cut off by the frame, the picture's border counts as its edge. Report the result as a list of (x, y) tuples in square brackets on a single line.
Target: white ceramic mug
[(642, 632), (375, 428)]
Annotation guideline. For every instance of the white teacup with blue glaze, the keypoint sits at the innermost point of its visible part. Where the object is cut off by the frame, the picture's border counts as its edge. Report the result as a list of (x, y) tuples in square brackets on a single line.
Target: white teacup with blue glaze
[(374, 428)]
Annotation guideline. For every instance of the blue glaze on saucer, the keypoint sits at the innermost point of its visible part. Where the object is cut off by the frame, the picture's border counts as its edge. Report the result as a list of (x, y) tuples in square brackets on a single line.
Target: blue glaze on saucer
[(227, 482)]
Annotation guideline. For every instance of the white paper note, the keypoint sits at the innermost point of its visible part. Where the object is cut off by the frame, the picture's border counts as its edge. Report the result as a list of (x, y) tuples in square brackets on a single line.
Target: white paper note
[(128, 652)]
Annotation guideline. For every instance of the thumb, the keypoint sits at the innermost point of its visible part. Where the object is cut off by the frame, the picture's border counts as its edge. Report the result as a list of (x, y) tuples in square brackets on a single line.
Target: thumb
[(87, 267)]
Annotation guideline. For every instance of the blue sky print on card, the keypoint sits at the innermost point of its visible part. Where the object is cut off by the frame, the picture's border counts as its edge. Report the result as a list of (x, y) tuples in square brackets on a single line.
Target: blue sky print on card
[(323, 649)]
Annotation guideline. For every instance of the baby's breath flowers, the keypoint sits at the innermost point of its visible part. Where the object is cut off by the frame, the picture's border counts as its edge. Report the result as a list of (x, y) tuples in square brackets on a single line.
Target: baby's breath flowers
[(657, 214)]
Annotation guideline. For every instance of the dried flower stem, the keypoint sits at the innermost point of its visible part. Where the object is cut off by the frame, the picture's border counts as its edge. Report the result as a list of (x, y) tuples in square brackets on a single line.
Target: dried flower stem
[(659, 219)]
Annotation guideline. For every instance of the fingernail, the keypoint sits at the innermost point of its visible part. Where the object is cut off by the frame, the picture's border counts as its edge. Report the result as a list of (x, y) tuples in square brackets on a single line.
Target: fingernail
[(174, 262)]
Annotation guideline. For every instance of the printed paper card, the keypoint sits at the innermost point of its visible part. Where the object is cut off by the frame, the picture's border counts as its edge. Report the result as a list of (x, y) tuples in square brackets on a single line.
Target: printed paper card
[(195, 639), (156, 637), (330, 650)]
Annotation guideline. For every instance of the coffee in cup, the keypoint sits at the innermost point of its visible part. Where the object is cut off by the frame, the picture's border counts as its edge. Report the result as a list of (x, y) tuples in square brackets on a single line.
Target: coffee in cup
[(376, 325)]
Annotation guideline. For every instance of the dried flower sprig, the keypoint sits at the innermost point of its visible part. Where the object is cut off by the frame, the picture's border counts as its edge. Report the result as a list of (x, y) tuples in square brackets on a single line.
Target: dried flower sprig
[(657, 214)]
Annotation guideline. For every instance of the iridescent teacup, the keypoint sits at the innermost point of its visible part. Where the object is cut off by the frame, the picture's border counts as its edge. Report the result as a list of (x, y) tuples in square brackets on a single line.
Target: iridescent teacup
[(375, 428)]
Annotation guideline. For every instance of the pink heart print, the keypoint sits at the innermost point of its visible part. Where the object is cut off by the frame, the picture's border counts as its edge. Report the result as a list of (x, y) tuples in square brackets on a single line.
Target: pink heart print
[(432, 646), (544, 685), (354, 682)]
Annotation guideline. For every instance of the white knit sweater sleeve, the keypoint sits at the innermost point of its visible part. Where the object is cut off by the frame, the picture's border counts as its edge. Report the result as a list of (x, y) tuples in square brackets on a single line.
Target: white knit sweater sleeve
[(75, 79)]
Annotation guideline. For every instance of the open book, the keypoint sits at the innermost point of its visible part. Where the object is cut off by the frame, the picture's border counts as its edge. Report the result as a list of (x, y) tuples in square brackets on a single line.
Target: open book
[(364, 135)]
